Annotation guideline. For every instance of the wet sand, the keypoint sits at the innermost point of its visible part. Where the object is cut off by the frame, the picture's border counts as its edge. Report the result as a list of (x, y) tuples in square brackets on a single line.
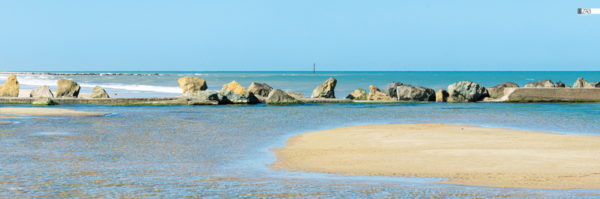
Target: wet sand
[(45, 112), (465, 155)]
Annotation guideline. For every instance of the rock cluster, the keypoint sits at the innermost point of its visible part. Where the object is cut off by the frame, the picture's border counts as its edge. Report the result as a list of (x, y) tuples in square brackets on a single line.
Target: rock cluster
[(582, 83), (376, 95), (234, 93)]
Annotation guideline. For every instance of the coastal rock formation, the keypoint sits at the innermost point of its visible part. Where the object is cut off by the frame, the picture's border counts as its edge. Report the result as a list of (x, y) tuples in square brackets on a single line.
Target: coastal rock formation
[(415, 93), (540, 84), (295, 95), (582, 83), (99, 92), (498, 90), (42, 91), (43, 101), (376, 95), (277, 96), (390, 89), (466, 91), (10, 88), (441, 96), (326, 89), (235, 93), (205, 97), (192, 84), (560, 84), (260, 89), (358, 94), (67, 88)]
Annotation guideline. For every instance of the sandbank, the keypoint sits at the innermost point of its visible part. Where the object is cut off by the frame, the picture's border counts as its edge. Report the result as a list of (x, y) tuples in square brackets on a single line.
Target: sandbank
[(45, 112), (459, 154)]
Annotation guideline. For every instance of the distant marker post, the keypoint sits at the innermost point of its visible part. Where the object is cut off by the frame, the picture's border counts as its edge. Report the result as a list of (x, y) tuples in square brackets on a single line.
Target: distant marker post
[(588, 11)]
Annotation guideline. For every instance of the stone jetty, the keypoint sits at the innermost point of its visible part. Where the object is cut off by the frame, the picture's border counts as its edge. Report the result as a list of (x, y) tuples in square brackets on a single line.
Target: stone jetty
[(194, 92)]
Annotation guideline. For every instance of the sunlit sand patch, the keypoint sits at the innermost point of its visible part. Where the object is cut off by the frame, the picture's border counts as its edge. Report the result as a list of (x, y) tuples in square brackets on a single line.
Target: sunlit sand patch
[(466, 155)]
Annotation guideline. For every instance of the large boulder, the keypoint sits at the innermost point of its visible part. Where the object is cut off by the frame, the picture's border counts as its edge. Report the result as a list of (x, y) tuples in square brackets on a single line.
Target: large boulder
[(415, 93), (99, 92), (277, 96), (202, 97), (235, 93), (441, 95), (67, 88), (260, 89), (191, 84), (466, 91), (376, 95), (540, 84), (390, 89), (42, 91), (10, 88), (582, 83), (326, 89), (295, 95), (498, 90), (358, 94)]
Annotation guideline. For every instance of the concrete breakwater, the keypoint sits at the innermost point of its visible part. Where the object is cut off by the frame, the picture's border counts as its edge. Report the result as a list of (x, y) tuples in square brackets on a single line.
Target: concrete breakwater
[(195, 93)]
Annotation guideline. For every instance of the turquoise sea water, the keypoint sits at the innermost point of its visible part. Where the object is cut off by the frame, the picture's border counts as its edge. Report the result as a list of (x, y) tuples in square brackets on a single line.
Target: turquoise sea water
[(223, 151)]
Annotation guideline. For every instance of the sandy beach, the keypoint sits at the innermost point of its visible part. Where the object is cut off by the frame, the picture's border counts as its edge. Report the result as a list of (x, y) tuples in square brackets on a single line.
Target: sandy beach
[(44, 112), (460, 154)]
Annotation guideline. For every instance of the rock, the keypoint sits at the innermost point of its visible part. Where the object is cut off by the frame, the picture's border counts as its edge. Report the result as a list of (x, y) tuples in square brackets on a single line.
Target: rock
[(191, 84), (67, 88), (43, 101), (441, 96), (390, 89), (260, 89), (582, 83), (540, 84), (42, 91), (560, 84), (99, 92), (326, 89), (358, 94), (277, 96), (498, 90), (201, 97), (10, 88), (237, 94), (295, 95), (466, 91), (415, 93), (376, 95)]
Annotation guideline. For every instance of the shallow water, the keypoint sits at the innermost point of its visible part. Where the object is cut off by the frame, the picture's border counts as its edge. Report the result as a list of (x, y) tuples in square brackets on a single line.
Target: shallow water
[(223, 151)]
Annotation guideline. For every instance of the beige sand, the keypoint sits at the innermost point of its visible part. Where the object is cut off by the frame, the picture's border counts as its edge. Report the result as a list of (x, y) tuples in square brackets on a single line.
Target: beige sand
[(466, 155), (45, 112)]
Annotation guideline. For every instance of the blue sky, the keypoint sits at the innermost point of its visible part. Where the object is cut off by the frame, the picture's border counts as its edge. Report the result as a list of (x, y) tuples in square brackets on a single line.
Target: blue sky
[(291, 35)]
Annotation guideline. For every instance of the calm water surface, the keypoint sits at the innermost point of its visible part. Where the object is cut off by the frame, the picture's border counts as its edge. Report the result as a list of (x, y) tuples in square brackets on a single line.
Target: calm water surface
[(223, 151)]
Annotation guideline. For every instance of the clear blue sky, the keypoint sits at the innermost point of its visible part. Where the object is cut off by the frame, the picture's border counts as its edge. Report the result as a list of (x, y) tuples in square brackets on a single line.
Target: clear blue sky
[(292, 34)]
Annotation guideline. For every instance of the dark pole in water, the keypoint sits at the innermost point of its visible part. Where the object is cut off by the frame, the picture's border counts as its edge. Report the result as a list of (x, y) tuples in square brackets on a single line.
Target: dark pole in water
[(314, 68)]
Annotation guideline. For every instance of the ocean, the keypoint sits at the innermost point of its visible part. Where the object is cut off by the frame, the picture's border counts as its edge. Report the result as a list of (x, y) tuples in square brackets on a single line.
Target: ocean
[(224, 151)]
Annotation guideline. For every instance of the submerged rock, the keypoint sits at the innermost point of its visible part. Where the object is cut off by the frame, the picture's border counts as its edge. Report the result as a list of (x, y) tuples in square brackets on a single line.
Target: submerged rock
[(582, 83), (326, 89), (441, 96), (10, 88), (295, 95), (498, 90), (358, 94), (67, 88), (390, 89), (43, 101), (234, 93), (376, 95), (99, 92), (42, 91), (191, 84), (260, 89), (466, 91), (540, 84), (277, 96), (415, 93)]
